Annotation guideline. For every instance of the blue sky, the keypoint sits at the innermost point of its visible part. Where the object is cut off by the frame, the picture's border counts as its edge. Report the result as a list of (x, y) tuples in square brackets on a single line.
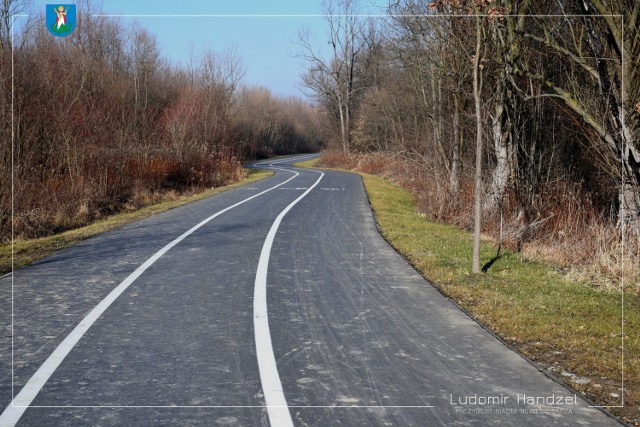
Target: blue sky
[(266, 44)]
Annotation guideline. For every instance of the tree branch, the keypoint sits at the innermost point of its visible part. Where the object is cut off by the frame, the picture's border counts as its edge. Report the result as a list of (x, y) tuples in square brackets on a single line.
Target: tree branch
[(572, 103), (580, 61)]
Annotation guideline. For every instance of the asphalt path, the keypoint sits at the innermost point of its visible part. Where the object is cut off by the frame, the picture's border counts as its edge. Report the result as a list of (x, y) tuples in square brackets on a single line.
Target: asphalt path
[(276, 303)]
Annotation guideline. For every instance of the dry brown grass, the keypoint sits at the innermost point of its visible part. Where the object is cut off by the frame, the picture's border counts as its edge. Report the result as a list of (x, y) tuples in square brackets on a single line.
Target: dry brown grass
[(23, 252), (569, 327), (107, 185), (563, 227)]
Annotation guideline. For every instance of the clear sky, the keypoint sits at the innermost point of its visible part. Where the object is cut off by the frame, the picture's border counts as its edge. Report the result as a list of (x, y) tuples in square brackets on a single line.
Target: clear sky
[(266, 44)]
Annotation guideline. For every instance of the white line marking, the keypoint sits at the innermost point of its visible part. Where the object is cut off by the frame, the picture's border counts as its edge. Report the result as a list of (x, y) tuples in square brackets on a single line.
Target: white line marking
[(283, 160), (21, 402), (296, 158), (354, 15), (241, 406), (277, 409)]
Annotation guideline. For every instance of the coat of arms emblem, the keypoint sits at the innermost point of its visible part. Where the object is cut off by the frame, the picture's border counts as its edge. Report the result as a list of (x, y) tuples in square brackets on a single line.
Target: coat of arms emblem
[(61, 19)]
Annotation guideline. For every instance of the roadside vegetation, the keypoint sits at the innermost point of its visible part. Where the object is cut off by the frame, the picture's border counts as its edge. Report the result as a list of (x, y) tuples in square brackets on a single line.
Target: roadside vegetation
[(27, 251), (98, 122), (572, 329), (518, 121), (545, 142), (568, 327)]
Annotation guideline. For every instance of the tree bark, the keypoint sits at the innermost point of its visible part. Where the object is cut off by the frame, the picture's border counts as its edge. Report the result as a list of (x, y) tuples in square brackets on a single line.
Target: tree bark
[(477, 89), (500, 176), (454, 173)]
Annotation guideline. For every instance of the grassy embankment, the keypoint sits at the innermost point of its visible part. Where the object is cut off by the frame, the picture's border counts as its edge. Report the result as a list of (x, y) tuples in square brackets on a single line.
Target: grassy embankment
[(28, 251), (570, 328)]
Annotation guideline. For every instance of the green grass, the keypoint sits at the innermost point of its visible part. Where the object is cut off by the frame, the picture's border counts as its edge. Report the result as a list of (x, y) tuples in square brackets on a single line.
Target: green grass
[(307, 163), (557, 322), (28, 251)]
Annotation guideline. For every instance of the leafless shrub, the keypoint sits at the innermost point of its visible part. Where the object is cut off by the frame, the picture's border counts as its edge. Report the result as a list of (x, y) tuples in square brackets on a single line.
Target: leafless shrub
[(567, 230), (103, 124)]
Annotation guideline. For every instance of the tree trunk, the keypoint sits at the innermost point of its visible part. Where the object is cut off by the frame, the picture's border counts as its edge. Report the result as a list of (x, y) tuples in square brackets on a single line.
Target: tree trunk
[(343, 130), (477, 88), (454, 173), (630, 192), (630, 202), (501, 171)]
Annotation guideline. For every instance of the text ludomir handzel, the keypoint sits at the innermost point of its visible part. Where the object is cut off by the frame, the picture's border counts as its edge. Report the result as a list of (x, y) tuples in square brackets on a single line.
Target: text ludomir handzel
[(520, 399)]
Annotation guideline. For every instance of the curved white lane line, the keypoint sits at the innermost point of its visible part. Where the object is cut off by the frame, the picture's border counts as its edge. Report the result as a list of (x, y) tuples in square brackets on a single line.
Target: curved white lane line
[(22, 400), (277, 407), (272, 162), (276, 161)]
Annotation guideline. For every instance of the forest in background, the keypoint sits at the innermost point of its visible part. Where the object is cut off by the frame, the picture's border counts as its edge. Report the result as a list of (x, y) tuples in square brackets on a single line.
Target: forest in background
[(102, 123), (529, 102)]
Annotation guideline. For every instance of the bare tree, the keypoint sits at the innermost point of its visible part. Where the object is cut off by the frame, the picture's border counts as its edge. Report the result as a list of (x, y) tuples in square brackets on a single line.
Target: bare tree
[(102, 123), (8, 9), (597, 52), (333, 81), (477, 91), (218, 78)]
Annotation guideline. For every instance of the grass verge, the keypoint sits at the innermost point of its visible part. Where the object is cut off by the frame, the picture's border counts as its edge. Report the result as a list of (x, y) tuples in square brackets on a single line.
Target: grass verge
[(308, 163), (28, 251), (568, 328)]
